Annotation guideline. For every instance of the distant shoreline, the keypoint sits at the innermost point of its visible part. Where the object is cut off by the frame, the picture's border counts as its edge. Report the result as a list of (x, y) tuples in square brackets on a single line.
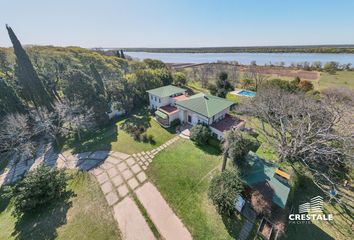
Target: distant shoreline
[(260, 49)]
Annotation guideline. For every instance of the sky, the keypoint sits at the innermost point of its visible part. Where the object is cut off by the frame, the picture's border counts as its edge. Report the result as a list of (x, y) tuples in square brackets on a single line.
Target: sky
[(178, 23)]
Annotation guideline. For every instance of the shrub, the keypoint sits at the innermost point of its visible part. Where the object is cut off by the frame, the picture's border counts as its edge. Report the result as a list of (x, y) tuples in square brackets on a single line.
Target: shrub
[(136, 135), (200, 134), (38, 188), (223, 190), (305, 86), (175, 122), (145, 138), (151, 139)]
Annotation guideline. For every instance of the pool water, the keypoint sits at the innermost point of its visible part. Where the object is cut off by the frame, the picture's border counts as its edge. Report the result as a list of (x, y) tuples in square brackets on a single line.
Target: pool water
[(246, 93)]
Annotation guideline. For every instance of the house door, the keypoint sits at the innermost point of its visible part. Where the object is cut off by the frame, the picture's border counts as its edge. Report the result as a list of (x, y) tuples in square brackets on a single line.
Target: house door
[(189, 118)]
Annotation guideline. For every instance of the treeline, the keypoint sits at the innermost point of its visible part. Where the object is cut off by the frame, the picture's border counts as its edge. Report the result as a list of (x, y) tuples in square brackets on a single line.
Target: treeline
[(260, 49), (78, 87)]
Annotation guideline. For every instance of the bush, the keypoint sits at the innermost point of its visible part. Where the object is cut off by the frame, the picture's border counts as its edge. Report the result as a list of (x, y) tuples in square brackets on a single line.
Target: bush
[(151, 139), (200, 134), (175, 122), (223, 190), (305, 85), (38, 188), (145, 138)]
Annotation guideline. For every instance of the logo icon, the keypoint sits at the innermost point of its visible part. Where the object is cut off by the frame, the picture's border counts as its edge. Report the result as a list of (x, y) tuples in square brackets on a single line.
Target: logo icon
[(314, 206)]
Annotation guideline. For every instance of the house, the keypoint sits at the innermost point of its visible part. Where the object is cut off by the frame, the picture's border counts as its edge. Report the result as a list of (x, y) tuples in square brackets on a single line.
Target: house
[(172, 103)]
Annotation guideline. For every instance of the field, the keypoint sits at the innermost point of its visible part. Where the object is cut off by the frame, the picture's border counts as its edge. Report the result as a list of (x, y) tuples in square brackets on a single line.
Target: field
[(182, 174), (113, 138), (83, 215)]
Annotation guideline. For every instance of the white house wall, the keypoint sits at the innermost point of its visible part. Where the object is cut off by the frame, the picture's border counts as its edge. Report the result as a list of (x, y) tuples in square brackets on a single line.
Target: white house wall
[(156, 102), (218, 133)]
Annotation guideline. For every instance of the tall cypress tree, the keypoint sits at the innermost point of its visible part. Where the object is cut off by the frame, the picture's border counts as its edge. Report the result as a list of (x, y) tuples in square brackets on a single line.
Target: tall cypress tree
[(122, 54), (32, 88), (118, 54), (99, 85)]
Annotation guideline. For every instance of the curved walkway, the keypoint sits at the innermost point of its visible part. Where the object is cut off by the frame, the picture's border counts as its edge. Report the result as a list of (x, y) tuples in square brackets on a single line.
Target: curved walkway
[(122, 180)]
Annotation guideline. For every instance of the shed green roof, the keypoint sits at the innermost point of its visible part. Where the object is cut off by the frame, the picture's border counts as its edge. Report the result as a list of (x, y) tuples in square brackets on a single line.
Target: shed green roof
[(166, 91), (260, 171), (205, 104)]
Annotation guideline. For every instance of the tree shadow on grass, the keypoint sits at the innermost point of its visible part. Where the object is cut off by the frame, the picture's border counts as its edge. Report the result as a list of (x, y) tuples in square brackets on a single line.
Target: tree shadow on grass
[(43, 223), (100, 139), (209, 149)]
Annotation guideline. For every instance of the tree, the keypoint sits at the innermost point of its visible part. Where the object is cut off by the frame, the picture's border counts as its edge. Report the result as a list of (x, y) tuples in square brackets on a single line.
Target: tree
[(224, 189), (39, 188), (51, 124), (16, 135), (200, 134), (32, 88), (9, 100), (154, 64), (77, 115), (236, 146), (77, 86), (316, 132), (179, 79), (99, 85), (122, 54), (255, 75), (118, 54), (331, 67), (223, 86)]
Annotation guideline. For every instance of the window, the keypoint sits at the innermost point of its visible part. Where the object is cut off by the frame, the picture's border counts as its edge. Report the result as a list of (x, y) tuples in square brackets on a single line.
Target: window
[(189, 118), (152, 97), (159, 100)]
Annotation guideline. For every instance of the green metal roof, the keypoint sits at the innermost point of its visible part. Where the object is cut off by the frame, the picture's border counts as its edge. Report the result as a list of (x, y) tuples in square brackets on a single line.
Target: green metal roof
[(161, 114), (205, 104), (166, 91), (260, 171)]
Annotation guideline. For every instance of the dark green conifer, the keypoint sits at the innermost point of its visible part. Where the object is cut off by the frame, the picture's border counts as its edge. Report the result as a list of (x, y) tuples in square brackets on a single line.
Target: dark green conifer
[(32, 88)]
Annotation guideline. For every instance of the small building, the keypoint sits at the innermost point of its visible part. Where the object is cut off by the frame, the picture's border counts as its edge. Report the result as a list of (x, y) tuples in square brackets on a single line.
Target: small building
[(172, 103), (265, 174)]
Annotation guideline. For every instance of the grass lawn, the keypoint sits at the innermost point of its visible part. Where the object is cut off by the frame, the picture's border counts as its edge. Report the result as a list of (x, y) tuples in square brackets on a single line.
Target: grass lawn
[(85, 215), (343, 79), (115, 139), (182, 174)]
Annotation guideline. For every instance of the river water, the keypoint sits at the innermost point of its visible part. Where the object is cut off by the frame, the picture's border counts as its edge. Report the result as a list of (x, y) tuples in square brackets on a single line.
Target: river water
[(246, 58)]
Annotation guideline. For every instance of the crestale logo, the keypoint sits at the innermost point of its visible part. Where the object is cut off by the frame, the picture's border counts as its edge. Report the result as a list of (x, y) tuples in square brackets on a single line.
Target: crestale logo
[(310, 211)]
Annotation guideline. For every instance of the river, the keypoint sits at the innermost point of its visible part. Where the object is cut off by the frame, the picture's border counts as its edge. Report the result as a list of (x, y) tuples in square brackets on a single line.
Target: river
[(246, 58)]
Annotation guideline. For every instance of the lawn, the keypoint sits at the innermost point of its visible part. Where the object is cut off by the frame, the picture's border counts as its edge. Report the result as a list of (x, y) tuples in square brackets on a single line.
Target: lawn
[(113, 138), (343, 79), (83, 215), (182, 174)]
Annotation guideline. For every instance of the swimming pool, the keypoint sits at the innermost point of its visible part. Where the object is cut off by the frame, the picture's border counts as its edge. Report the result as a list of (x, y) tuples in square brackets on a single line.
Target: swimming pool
[(246, 93)]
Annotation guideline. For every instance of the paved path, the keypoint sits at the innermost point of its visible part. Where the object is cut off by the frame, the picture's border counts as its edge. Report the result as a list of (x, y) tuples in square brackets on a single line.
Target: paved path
[(131, 223), (167, 223), (120, 176)]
